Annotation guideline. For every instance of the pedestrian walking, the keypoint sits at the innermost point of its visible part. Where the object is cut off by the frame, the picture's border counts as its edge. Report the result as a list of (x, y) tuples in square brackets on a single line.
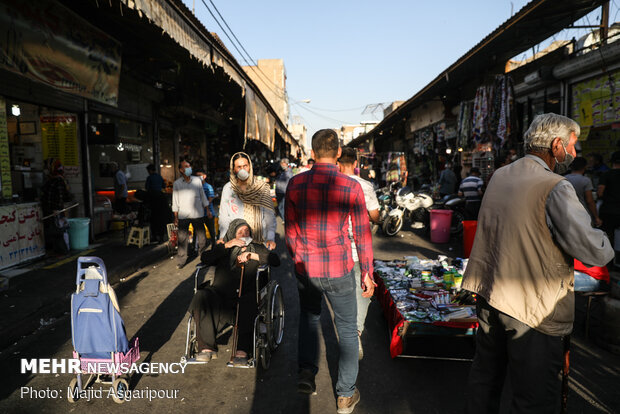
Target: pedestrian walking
[(347, 163), (609, 190), (55, 193), (521, 268), (318, 204), (248, 198), (471, 189), (583, 187), (120, 190), (188, 203), (285, 175), (156, 200), (447, 181), (154, 182), (209, 211)]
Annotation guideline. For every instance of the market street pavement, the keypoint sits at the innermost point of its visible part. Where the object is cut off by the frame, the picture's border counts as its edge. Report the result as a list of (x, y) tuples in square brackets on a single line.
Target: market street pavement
[(154, 302)]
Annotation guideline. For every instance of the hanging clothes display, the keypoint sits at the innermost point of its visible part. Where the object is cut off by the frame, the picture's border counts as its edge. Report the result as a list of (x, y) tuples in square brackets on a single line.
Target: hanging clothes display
[(507, 112), (481, 109), (464, 123), (493, 112)]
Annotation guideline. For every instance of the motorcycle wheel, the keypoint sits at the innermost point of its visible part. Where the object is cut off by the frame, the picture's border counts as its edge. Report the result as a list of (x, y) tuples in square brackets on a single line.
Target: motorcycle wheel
[(392, 225), (456, 227)]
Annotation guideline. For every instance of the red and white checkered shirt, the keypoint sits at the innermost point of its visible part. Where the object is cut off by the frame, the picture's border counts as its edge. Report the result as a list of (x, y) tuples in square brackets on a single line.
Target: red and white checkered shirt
[(318, 205)]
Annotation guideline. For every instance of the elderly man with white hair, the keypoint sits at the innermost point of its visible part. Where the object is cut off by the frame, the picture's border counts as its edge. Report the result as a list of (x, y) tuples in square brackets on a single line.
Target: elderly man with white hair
[(530, 227)]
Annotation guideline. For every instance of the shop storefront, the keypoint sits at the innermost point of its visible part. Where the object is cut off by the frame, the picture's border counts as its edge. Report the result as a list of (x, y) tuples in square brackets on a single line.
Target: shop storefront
[(42, 110), (32, 138), (116, 141), (596, 107)]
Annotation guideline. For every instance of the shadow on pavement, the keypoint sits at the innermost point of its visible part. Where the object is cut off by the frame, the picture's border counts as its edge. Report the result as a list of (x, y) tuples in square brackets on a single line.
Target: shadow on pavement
[(162, 324)]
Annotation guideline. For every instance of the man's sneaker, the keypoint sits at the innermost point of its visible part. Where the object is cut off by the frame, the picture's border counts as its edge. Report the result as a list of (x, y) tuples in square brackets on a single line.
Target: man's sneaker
[(305, 382), (359, 344), (346, 405)]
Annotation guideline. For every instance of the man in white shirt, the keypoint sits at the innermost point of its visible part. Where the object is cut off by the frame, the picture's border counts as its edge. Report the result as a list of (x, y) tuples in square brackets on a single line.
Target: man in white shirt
[(347, 164), (188, 205)]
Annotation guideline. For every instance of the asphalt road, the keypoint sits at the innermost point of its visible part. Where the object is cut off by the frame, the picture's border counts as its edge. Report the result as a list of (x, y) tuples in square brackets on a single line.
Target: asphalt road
[(153, 304)]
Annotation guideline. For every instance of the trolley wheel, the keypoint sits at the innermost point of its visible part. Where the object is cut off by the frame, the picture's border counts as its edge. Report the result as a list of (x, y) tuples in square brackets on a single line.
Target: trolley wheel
[(265, 356), (73, 391), (120, 386), (275, 315)]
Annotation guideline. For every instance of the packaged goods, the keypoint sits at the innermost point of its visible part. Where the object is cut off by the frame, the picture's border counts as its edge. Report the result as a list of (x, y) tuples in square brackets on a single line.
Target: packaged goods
[(427, 291)]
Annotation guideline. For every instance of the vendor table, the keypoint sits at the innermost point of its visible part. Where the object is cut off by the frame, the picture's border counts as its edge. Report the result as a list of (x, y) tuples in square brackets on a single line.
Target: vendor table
[(401, 331)]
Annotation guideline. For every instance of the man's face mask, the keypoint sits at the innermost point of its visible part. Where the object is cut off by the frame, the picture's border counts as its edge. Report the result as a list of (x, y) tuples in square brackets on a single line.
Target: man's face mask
[(562, 167), (188, 171), (243, 174)]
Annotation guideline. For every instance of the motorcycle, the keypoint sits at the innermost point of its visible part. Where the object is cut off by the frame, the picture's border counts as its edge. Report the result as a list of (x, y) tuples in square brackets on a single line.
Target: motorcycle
[(385, 196), (413, 206)]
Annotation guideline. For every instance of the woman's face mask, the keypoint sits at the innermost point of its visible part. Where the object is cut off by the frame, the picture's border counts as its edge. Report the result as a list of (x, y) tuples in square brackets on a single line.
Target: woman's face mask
[(243, 174), (247, 240)]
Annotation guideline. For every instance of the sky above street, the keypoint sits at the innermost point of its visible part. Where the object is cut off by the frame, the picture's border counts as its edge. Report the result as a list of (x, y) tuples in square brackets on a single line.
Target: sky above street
[(345, 55)]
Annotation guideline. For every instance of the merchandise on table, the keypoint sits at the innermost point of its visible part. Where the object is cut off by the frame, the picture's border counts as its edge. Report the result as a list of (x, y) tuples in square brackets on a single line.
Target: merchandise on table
[(428, 291)]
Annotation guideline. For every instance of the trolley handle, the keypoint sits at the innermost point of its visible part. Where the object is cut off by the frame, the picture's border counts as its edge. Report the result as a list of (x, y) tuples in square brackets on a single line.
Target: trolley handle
[(90, 260)]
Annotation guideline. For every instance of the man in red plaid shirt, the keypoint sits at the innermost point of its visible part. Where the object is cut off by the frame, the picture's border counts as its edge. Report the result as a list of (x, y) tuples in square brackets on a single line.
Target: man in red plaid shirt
[(318, 204)]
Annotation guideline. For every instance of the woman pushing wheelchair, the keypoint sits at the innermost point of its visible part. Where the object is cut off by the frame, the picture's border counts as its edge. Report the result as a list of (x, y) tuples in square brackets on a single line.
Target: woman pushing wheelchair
[(214, 306)]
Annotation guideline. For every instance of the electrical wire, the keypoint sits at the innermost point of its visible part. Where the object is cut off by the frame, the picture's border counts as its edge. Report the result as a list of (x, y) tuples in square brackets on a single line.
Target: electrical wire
[(329, 110), (250, 61), (252, 65), (325, 117)]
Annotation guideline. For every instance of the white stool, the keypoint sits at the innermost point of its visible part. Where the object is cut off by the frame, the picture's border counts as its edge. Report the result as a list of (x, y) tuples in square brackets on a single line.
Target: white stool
[(140, 236)]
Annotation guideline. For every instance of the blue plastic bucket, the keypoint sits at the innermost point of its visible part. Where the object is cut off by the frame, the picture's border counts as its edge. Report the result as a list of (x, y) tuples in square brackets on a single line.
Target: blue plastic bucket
[(78, 233)]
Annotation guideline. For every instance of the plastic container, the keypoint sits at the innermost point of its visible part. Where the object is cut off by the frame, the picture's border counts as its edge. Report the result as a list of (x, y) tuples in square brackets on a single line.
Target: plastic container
[(78, 233), (469, 233), (440, 225)]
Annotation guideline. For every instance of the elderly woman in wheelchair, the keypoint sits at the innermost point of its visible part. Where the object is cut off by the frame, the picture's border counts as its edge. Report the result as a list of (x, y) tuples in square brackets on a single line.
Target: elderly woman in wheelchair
[(232, 296)]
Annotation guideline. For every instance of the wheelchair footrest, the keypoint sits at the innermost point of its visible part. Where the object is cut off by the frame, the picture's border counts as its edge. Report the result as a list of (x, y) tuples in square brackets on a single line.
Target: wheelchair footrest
[(250, 364)]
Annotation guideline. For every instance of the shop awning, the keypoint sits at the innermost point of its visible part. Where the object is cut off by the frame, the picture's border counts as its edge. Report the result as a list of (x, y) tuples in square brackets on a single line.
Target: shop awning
[(168, 19), (535, 22), (176, 20)]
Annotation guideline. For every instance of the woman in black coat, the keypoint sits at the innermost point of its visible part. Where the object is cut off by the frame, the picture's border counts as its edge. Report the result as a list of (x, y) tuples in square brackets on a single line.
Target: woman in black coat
[(214, 306)]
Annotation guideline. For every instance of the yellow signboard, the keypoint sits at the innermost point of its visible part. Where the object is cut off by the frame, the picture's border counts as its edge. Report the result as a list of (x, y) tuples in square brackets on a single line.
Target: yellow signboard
[(59, 138)]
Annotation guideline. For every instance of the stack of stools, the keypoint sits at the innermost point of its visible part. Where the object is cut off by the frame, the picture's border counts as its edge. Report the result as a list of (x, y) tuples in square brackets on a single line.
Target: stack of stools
[(140, 236)]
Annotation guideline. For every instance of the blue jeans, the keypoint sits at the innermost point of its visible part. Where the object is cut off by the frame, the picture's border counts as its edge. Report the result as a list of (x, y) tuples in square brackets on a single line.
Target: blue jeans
[(341, 295), (362, 302), (586, 283)]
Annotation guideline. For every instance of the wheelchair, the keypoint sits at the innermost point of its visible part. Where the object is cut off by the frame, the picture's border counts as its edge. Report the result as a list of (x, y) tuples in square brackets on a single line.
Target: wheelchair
[(268, 324)]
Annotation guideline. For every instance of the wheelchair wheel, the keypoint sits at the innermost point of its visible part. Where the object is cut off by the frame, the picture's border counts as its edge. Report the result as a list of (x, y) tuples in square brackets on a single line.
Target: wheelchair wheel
[(275, 315), (265, 356), (191, 343)]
